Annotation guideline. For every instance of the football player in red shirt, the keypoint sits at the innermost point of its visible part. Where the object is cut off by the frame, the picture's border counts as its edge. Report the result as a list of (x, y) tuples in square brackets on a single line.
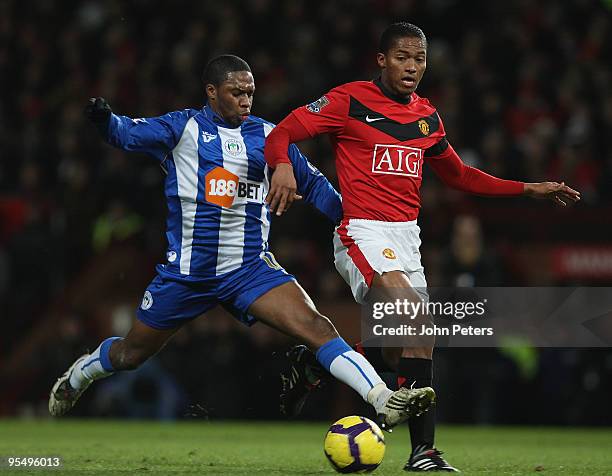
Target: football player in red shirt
[(383, 133)]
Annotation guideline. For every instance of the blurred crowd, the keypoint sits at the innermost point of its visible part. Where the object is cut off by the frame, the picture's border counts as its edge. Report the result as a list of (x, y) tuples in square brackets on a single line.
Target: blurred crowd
[(524, 89)]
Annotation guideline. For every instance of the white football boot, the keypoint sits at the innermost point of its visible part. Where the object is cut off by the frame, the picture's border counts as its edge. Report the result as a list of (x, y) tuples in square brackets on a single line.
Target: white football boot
[(63, 397), (405, 403)]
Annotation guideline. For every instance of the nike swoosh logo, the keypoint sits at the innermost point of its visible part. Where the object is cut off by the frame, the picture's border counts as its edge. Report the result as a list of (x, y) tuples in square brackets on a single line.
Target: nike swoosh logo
[(373, 119)]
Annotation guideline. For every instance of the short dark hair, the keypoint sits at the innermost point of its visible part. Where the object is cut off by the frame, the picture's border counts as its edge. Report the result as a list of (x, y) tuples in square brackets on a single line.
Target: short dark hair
[(399, 30), (218, 68)]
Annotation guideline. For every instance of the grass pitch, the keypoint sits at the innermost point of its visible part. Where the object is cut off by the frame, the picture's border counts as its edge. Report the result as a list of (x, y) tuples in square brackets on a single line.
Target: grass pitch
[(252, 448)]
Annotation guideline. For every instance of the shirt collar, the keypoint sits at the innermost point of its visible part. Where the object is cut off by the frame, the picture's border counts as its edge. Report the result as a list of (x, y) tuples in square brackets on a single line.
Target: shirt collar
[(391, 95)]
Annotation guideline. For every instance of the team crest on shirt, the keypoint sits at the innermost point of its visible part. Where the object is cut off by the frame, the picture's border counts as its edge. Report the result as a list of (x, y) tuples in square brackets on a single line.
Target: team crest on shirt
[(318, 104), (389, 253), (423, 127), (147, 301), (232, 147)]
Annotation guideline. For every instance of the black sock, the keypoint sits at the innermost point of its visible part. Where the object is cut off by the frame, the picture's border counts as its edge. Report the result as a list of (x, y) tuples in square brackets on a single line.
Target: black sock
[(418, 373)]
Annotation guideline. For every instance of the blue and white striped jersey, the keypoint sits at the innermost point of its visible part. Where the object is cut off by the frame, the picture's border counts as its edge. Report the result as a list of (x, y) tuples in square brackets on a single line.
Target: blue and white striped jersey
[(216, 184)]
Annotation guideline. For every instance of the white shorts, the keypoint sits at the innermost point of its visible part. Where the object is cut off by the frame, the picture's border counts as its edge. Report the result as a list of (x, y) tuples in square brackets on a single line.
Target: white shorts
[(365, 247)]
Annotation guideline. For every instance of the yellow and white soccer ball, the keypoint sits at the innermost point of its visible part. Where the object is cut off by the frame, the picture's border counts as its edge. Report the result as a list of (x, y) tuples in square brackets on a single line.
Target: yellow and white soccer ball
[(354, 444)]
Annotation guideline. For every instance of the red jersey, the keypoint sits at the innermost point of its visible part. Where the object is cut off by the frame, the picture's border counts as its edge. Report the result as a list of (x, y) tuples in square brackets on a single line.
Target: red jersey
[(380, 145)]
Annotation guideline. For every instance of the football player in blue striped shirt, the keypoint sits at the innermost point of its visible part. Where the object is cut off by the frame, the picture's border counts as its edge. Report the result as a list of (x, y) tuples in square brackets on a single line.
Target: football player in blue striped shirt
[(217, 230)]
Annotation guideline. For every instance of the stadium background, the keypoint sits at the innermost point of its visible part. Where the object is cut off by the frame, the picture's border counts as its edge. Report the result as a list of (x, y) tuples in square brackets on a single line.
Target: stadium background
[(524, 88)]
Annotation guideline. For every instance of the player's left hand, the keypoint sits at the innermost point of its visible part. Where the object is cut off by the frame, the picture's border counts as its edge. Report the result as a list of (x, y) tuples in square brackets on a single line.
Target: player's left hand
[(283, 189), (559, 193)]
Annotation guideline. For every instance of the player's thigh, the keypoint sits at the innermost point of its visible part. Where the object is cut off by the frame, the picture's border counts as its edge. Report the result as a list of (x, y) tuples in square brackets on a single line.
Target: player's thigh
[(290, 310), (264, 291), (393, 284), (364, 251), (396, 285), (391, 279)]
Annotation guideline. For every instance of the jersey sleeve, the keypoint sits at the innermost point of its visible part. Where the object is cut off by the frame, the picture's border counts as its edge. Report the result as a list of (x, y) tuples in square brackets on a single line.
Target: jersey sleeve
[(155, 136), (447, 165), (314, 186), (328, 114)]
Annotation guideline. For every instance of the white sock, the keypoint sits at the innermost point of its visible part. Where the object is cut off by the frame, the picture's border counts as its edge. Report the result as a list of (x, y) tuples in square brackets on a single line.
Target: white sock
[(378, 396), (95, 367), (353, 369)]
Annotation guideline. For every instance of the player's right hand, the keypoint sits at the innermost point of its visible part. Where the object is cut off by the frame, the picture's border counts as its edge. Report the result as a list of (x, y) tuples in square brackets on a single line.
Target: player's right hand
[(283, 189), (98, 110)]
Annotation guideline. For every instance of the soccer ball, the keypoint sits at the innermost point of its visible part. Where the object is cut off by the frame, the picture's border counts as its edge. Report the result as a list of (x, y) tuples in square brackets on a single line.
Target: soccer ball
[(354, 444)]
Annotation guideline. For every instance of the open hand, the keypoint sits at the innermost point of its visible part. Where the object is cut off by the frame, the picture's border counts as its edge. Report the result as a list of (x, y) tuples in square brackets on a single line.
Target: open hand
[(557, 192)]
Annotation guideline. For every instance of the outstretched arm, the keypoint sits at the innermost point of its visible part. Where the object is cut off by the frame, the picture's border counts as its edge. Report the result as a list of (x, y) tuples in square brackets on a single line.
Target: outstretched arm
[(453, 172), (155, 136)]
